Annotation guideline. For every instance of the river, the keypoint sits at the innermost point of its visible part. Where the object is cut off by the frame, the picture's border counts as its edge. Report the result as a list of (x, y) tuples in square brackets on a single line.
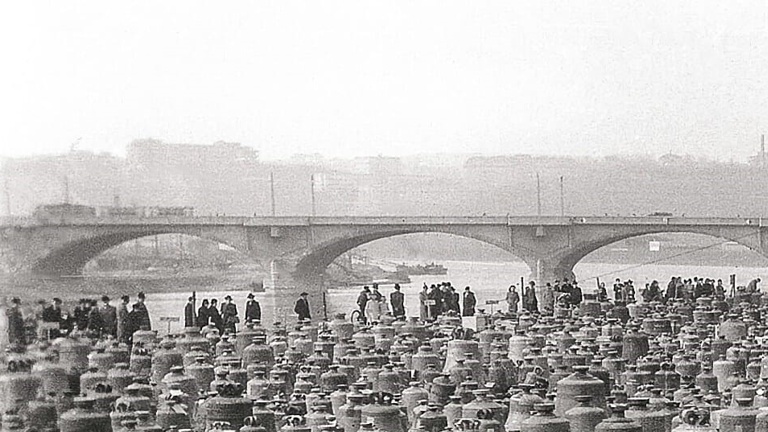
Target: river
[(489, 281)]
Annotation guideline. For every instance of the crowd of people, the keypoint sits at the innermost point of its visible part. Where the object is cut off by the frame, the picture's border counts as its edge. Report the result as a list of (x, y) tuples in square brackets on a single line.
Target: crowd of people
[(96, 319), (565, 294), (225, 318), (434, 300), (102, 319), (89, 317), (543, 299)]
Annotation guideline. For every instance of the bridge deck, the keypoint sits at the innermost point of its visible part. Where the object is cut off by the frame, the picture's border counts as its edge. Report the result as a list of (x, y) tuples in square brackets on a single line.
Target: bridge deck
[(285, 221)]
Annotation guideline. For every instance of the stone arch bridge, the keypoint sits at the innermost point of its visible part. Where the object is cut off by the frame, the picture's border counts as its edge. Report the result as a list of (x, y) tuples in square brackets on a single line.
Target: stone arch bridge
[(297, 250)]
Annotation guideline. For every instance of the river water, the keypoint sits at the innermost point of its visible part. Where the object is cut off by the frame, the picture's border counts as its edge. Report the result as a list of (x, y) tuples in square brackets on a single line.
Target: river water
[(489, 281)]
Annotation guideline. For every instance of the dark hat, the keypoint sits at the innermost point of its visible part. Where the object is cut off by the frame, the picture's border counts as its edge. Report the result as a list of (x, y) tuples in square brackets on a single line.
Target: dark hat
[(303, 294), (250, 295), (16, 300), (105, 299), (56, 300), (228, 298), (125, 298), (141, 295)]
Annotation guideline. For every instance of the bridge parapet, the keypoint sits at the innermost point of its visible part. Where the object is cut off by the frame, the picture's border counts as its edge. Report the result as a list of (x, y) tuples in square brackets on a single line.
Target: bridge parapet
[(305, 221)]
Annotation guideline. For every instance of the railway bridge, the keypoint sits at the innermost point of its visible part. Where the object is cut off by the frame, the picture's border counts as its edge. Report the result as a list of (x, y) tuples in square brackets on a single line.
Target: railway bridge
[(297, 250)]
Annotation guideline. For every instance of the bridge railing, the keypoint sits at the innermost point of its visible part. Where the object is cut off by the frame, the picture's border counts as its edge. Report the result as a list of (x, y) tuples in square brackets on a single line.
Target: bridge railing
[(286, 221)]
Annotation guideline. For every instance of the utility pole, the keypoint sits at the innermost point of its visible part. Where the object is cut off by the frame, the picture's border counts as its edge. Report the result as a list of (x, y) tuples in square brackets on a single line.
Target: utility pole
[(312, 190), (272, 192), (538, 195), (562, 198)]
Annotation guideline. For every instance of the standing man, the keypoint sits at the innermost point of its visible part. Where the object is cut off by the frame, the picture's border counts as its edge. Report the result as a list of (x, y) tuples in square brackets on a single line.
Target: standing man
[(189, 313), (302, 307), (122, 319), (397, 300), (142, 314), (602, 294), (618, 295), (52, 317), (15, 323), (576, 295), (362, 301), (252, 309), (213, 312), (469, 303), (203, 314), (423, 297), (108, 317), (529, 300), (81, 314), (229, 315), (513, 298), (435, 297), (95, 324), (455, 297)]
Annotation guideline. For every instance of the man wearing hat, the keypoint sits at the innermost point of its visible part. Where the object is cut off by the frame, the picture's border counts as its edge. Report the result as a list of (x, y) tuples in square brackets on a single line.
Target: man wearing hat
[(397, 300), (108, 317), (229, 314), (52, 318), (302, 307), (252, 309), (15, 323), (141, 317), (189, 313)]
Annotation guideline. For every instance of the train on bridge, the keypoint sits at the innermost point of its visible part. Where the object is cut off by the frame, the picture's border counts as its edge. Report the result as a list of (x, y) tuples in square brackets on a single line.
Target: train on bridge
[(47, 211)]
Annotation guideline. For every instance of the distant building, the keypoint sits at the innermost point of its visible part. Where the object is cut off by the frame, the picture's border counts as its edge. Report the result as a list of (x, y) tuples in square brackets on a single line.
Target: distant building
[(77, 177), (222, 178)]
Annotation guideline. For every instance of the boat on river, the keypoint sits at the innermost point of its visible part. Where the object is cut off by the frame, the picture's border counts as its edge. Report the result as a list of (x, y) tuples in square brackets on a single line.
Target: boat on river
[(421, 270)]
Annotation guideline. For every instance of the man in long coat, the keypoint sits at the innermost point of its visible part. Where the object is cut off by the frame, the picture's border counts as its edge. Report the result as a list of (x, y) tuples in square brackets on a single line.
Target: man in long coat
[(16, 335), (108, 317), (252, 309), (397, 300), (142, 314), (229, 315), (52, 315), (95, 324), (122, 319), (362, 301), (302, 307), (423, 298), (469, 303), (203, 314), (213, 312), (530, 302), (189, 313)]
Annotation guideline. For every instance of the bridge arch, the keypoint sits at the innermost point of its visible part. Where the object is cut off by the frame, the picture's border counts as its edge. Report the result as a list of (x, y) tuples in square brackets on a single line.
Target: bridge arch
[(315, 261), (69, 256), (747, 236)]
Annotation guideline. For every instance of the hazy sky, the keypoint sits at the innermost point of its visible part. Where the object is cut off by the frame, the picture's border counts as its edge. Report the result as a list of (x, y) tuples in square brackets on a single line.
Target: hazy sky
[(347, 78)]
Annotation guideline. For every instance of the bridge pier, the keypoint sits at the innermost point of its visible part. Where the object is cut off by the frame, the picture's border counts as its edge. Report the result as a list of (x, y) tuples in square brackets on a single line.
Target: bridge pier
[(283, 286), (549, 270)]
